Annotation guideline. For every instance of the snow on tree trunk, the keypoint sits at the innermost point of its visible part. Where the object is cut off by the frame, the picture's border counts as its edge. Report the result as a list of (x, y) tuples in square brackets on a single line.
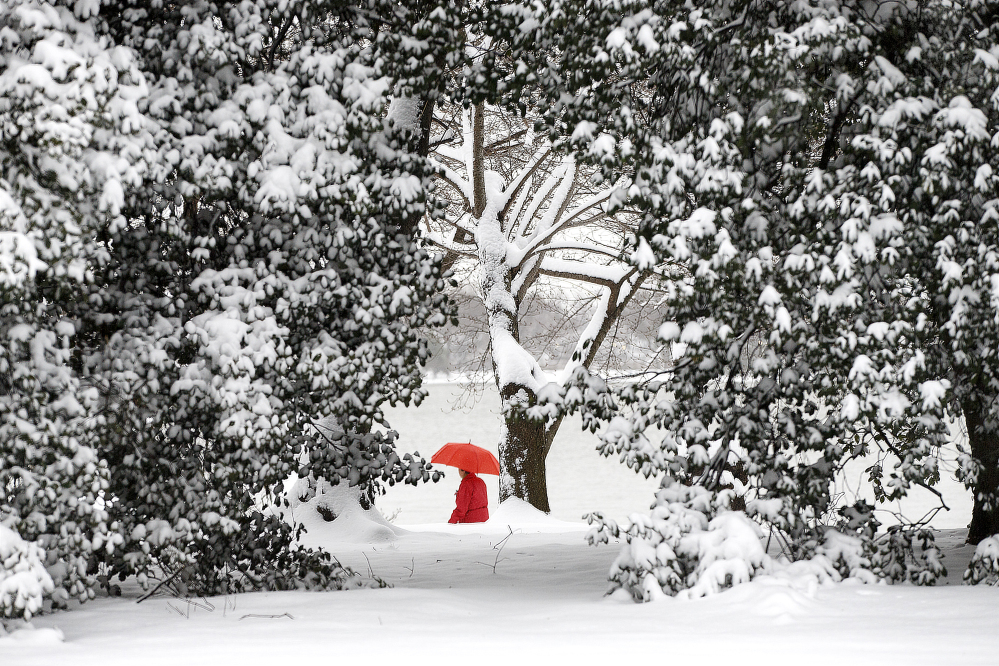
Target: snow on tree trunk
[(516, 372)]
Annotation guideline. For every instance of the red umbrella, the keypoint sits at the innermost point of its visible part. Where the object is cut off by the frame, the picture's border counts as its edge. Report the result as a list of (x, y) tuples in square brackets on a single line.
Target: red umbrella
[(468, 457)]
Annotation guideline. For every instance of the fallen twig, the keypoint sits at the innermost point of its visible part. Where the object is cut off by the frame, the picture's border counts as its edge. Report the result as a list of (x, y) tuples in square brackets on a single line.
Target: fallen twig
[(371, 574), (268, 617)]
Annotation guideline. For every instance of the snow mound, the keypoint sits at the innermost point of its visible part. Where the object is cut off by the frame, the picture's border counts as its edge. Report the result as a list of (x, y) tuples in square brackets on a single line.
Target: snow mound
[(518, 514), (335, 515), (770, 597), (781, 603), (28, 635)]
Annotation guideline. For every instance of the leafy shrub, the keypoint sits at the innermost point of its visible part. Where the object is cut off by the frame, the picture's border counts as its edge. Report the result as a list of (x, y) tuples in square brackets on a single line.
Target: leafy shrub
[(984, 565), (692, 545), (24, 582)]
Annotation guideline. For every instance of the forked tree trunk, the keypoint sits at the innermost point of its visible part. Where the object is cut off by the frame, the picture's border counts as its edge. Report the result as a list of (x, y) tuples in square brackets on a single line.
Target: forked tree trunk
[(522, 453), (984, 438)]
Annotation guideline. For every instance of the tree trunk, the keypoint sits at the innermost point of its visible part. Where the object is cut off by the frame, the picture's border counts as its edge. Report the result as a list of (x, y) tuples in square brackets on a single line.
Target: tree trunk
[(522, 453), (984, 439), (522, 446)]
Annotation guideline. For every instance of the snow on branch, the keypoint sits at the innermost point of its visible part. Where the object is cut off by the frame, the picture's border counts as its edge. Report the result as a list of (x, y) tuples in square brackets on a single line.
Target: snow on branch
[(542, 234), (607, 276), (525, 177), (465, 250), (454, 179), (582, 247)]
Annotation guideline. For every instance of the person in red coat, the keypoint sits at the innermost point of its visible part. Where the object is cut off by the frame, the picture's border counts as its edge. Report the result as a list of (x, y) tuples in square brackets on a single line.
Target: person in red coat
[(471, 500)]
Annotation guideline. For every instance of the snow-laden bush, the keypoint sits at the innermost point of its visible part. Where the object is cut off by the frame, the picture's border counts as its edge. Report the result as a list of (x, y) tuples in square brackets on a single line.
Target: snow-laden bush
[(691, 544), (204, 250), (908, 554), (984, 565), (728, 553), (832, 557), (265, 281), (831, 196), (24, 582), (853, 548)]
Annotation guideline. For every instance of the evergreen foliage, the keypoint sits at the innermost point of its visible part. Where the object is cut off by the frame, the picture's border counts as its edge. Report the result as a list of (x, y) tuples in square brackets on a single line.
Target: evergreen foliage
[(24, 582), (68, 116), (208, 259), (826, 171), (205, 254)]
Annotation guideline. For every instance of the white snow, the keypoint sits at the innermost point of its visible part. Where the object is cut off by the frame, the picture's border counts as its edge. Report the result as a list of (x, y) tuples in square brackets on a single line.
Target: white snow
[(522, 588), (573, 463), (351, 524)]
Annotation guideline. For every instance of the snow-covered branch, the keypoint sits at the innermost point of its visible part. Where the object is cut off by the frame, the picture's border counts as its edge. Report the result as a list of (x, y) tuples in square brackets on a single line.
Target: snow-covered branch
[(536, 243), (585, 271)]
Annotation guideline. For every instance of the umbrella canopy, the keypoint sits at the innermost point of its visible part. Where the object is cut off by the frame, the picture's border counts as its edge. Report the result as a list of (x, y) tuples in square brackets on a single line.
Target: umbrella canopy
[(468, 457)]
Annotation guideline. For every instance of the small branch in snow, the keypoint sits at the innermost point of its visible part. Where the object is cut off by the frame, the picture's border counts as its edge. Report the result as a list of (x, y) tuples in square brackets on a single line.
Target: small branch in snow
[(498, 547), (208, 606), (371, 574)]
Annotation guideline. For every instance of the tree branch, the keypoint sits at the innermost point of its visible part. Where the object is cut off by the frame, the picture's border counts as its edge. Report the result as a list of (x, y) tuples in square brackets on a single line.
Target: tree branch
[(577, 276), (539, 157)]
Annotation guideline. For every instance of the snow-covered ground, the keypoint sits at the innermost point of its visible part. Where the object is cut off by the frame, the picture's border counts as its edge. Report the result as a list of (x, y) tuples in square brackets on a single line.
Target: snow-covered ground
[(521, 589)]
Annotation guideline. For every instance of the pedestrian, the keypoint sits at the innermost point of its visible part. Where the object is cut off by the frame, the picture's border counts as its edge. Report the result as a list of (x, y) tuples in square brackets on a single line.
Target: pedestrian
[(471, 500)]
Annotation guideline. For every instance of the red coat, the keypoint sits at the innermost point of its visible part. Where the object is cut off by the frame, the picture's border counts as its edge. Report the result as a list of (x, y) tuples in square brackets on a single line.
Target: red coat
[(471, 500)]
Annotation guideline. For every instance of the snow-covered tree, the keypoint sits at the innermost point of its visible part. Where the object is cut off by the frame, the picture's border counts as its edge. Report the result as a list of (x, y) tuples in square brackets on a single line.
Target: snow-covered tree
[(24, 580), (922, 184), (206, 251), (69, 149), (260, 284), (826, 170), (524, 221)]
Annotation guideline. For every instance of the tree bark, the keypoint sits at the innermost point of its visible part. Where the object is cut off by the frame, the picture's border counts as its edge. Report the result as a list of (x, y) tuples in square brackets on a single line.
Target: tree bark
[(522, 452), (478, 174), (984, 438)]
